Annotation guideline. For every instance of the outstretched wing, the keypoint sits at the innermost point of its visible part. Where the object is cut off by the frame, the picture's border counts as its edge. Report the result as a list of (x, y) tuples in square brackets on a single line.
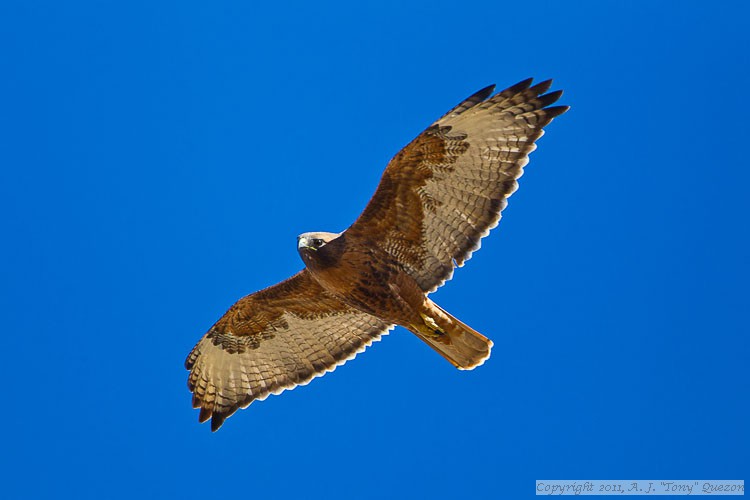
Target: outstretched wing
[(273, 340), (442, 193)]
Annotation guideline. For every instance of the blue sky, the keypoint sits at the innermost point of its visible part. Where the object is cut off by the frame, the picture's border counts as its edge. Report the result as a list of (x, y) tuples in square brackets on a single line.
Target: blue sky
[(159, 160)]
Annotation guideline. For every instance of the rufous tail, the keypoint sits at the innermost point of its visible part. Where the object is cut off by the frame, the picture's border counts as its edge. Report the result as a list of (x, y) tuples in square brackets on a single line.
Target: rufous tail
[(462, 346)]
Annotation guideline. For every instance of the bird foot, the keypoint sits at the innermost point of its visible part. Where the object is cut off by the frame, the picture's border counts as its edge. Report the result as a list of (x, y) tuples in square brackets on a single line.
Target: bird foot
[(431, 324)]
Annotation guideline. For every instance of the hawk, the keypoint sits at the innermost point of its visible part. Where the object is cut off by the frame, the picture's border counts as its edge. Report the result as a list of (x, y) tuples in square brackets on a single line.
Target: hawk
[(438, 197)]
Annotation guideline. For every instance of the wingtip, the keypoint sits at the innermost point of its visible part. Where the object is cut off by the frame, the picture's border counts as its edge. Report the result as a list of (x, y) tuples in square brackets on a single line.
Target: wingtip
[(550, 98), (542, 87), (486, 92), (515, 89), (216, 422), (523, 84), (204, 415), (554, 111)]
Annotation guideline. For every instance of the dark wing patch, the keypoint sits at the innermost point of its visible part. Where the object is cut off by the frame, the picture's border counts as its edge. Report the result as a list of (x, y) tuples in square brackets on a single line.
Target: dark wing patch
[(274, 340), (443, 192)]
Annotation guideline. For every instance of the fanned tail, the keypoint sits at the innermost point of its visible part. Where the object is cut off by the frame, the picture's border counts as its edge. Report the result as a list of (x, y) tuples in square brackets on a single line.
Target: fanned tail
[(461, 345)]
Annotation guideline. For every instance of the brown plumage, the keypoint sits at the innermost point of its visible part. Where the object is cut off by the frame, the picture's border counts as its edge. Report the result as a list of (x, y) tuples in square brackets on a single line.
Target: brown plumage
[(437, 198)]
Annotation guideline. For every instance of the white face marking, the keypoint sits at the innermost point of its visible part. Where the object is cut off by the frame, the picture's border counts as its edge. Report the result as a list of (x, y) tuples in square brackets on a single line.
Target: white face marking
[(315, 240)]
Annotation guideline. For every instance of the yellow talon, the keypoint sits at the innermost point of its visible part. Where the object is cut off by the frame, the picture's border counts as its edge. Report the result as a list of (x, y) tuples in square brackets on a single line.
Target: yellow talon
[(431, 324)]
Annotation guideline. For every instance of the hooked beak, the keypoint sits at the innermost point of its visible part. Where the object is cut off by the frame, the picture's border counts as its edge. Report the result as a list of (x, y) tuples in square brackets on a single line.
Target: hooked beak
[(304, 243)]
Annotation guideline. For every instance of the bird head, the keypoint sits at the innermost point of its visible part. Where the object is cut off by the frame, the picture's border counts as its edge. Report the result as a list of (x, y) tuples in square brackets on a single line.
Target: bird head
[(314, 241)]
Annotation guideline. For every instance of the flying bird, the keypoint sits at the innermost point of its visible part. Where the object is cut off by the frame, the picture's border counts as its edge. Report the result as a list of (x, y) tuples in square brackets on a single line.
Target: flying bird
[(438, 197)]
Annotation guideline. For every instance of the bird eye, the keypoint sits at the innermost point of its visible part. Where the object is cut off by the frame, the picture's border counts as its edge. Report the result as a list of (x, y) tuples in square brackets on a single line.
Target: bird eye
[(317, 242)]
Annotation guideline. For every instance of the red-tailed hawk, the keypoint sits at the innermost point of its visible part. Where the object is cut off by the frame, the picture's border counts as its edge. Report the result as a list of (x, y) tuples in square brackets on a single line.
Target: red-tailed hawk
[(438, 197)]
